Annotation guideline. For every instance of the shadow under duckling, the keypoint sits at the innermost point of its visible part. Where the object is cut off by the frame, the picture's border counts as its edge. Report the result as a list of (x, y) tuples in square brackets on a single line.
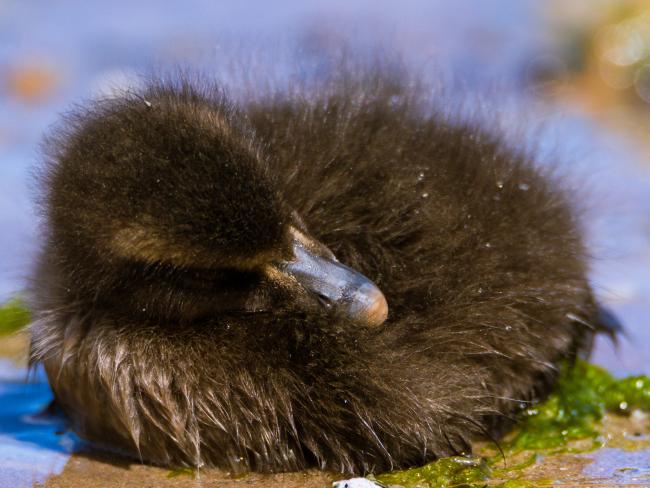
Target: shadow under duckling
[(334, 279)]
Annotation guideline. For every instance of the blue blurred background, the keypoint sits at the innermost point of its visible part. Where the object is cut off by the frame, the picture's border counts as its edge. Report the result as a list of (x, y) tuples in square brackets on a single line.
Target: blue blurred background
[(582, 72), (570, 78)]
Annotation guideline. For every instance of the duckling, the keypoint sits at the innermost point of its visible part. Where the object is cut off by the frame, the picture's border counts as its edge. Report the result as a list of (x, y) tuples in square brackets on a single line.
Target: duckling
[(335, 279)]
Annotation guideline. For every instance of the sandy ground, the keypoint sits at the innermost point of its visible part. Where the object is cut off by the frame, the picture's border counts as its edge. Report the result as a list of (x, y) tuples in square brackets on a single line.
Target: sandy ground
[(93, 472)]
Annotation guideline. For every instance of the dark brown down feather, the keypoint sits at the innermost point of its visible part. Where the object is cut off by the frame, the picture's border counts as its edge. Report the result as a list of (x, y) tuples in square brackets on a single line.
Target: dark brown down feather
[(161, 207)]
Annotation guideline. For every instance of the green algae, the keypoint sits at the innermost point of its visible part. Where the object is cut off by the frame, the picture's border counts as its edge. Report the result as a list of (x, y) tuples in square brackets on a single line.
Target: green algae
[(13, 316), (584, 394), (183, 471), (445, 472), (457, 472)]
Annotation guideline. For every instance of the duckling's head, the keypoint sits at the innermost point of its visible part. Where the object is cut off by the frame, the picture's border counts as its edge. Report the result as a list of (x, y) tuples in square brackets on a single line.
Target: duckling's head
[(163, 204)]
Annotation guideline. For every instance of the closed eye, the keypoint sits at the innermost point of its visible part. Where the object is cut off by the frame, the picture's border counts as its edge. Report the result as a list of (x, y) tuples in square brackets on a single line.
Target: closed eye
[(325, 302)]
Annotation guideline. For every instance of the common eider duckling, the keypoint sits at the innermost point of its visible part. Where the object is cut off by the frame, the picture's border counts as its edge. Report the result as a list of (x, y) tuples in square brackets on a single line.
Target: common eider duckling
[(338, 279)]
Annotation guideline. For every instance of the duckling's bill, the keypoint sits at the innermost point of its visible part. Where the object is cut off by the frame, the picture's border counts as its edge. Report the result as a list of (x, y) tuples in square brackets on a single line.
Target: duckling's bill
[(335, 285)]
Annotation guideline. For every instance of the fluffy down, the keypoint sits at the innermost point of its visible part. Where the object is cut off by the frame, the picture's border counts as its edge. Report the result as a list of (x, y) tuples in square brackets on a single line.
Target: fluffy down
[(477, 252)]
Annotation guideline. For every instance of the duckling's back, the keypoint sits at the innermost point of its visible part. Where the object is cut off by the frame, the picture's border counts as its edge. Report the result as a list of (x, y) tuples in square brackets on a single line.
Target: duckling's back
[(457, 225)]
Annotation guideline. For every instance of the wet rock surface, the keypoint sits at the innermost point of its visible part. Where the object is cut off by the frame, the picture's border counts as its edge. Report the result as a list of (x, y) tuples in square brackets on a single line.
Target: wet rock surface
[(53, 56)]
